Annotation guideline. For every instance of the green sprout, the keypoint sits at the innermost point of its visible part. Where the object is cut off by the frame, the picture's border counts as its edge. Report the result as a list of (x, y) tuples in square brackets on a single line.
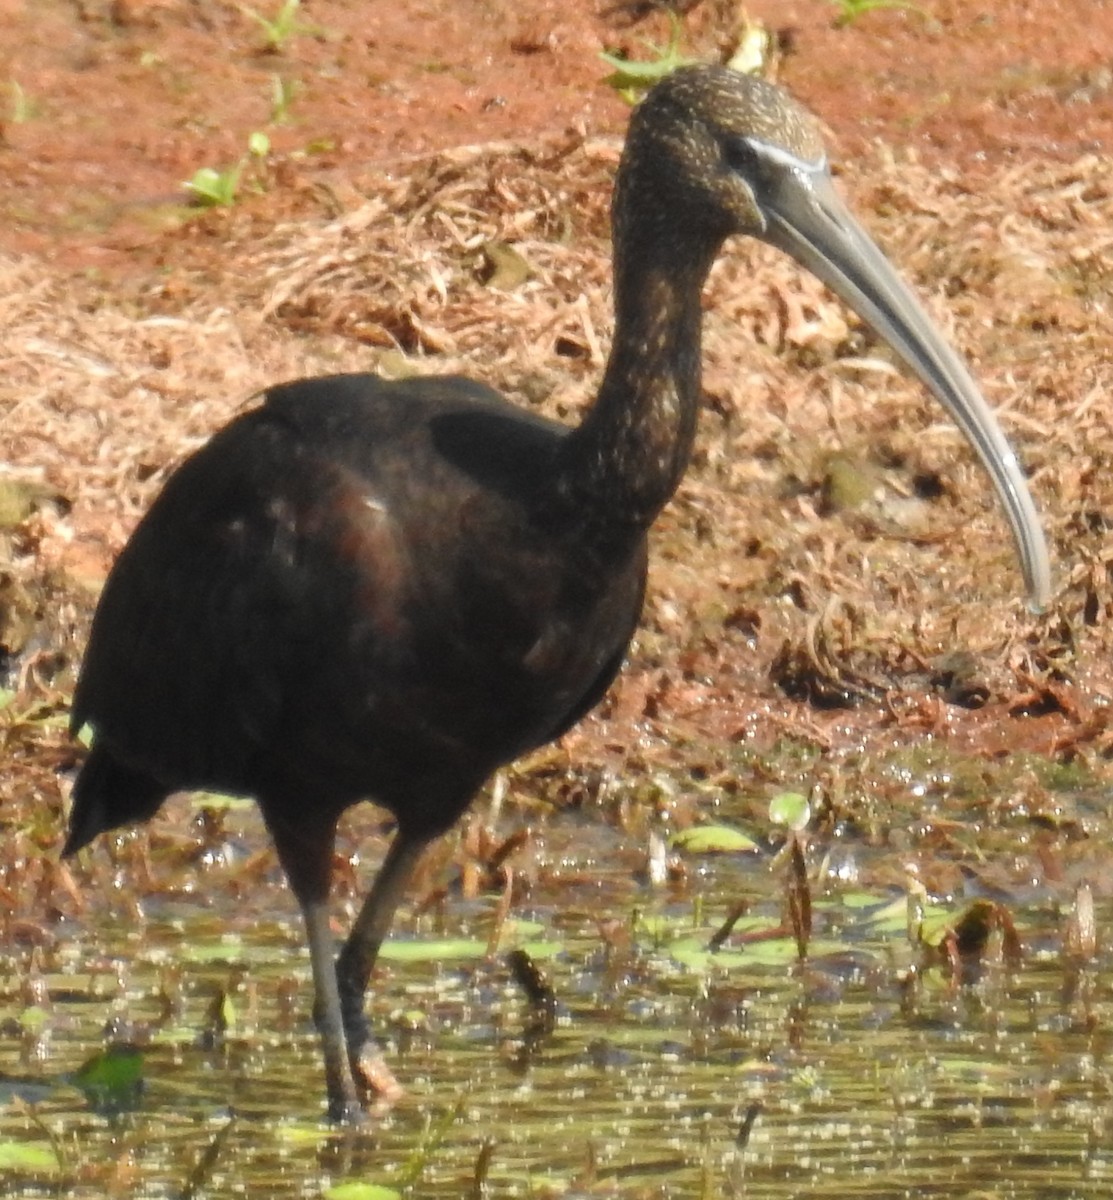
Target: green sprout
[(214, 188), (283, 93), (851, 10), (285, 25), (22, 108), (631, 79)]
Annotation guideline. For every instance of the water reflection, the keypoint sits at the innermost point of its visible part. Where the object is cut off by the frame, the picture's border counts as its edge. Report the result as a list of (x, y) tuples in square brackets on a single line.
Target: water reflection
[(639, 1087)]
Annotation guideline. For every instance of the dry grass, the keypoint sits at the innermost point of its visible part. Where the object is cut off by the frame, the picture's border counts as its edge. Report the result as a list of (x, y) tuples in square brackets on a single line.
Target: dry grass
[(769, 574)]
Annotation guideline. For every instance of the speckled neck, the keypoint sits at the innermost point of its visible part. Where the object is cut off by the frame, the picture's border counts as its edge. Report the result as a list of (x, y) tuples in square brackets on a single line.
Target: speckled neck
[(625, 461)]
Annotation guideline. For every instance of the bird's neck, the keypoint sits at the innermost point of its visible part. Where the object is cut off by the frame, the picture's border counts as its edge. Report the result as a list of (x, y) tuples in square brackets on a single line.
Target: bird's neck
[(626, 459)]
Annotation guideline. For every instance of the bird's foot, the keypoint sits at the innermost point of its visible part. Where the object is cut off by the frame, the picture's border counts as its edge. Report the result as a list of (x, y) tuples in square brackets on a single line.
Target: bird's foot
[(365, 1059), (370, 1070), (349, 1113), (370, 1091)]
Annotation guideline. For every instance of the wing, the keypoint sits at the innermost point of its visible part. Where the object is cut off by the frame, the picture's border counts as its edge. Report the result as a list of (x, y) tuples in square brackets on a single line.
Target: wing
[(196, 636), (268, 587)]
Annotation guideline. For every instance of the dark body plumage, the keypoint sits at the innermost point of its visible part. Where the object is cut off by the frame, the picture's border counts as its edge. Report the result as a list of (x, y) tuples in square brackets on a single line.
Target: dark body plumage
[(385, 590), (377, 595)]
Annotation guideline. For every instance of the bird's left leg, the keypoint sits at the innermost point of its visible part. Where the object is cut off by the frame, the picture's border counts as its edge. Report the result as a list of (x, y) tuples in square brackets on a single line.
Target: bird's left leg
[(306, 856), (344, 1104), (357, 960)]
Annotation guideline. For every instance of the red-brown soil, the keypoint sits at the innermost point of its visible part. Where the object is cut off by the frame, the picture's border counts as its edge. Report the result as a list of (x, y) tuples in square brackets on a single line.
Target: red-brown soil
[(106, 106)]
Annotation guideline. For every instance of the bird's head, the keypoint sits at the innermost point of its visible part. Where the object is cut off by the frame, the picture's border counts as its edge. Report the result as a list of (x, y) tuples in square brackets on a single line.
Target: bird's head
[(712, 152), (718, 147)]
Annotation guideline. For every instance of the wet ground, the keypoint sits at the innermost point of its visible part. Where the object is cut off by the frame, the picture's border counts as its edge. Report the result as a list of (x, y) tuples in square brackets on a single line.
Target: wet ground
[(877, 1066)]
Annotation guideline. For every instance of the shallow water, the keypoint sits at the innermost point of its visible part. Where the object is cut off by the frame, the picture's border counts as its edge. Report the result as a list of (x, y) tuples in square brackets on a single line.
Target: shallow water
[(869, 1085)]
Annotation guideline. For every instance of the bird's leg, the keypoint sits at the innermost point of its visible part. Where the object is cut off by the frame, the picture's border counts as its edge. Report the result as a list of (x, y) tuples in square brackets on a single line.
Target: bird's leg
[(357, 960), (306, 857), (343, 1097)]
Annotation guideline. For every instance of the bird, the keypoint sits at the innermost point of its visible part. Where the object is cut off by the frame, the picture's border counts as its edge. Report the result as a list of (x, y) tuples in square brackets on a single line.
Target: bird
[(385, 590)]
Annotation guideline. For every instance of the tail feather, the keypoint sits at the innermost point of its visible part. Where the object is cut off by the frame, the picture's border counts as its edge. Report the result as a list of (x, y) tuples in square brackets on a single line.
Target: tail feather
[(108, 794)]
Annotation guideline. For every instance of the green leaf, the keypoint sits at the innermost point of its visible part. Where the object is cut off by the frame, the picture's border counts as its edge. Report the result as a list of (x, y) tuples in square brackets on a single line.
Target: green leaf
[(851, 10), (631, 78), (514, 933), (630, 73), (790, 809), (935, 924), (227, 948), (24, 1156), (112, 1081), (772, 952), (400, 950), (303, 1133), (361, 1191), (712, 839), (259, 144), (891, 917), (33, 1019), (855, 900), (206, 181), (661, 929), (540, 950), (214, 187), (226, 1011), (976, 1070), (219, 801), (518, 927)]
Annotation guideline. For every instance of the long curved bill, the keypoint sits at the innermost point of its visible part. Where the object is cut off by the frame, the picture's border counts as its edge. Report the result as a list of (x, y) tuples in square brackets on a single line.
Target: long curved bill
[(805, 218)]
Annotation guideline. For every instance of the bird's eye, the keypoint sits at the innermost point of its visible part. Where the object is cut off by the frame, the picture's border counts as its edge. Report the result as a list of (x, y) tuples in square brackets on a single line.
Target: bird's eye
[(739, 155)]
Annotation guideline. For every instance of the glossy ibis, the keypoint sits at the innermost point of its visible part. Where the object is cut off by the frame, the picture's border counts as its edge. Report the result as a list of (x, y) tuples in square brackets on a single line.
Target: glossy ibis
[(380, 590)]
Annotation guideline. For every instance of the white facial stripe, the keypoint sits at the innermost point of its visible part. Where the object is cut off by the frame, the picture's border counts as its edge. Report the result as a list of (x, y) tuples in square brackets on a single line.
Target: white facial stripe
[(785, 158)]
